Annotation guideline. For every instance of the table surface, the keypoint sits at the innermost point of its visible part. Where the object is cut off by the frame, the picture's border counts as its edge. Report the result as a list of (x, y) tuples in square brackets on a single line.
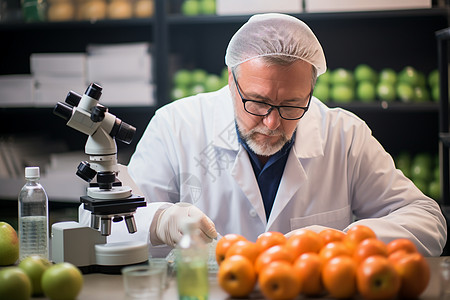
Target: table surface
[(110, 287)]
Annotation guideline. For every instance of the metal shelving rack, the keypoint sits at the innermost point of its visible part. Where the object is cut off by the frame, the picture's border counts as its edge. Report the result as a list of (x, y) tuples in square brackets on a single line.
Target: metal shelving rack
[(443, 36)]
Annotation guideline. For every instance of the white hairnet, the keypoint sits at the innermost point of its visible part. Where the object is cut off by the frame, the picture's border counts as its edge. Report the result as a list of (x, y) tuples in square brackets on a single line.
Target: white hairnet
[(275, 34)]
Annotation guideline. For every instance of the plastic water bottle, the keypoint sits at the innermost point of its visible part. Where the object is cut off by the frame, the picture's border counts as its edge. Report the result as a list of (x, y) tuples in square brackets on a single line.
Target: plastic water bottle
[(33, 216), (191, 264)]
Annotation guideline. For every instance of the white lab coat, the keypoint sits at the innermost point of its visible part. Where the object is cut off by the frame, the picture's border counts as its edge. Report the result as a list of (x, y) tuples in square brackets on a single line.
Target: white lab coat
[(337, 175)]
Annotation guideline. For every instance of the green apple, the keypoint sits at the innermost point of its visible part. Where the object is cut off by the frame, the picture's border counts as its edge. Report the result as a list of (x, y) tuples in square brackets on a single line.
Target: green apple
[(324, 78), (190, 7), (386, 91), (62, 281), (422, 185), (342, 93), (437, 172), (419, 172), (405, 92), (421, 167), (421, 94), (224, 76), (14, 284), (34, 266), (197, 89), (388, 75), (435, 93), (403, 163), (364, 72), (178, 93), (182, 78), (9, 245), (424, 159), (434, 190), (342, 76), (208, 7), (433, 78), (422, 82), (199, 76), (365, 91), (409, 75), (322, 91), (213, 83)]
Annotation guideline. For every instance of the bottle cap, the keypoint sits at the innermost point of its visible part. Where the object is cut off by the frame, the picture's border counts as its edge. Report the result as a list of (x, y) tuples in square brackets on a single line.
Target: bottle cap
[(32, 172)]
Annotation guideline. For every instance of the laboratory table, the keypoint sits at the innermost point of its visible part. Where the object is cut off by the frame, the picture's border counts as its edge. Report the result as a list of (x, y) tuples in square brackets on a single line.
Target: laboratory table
[(110, 287)]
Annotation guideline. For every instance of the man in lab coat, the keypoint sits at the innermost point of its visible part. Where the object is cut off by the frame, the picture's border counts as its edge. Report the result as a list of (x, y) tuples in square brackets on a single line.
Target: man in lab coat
[(263, 154)]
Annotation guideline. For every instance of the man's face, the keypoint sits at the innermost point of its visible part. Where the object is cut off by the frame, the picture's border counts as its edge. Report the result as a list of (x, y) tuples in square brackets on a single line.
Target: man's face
[(276, 85)]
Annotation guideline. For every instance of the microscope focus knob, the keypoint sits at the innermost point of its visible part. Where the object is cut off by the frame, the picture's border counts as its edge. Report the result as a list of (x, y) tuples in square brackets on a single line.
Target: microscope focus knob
[(98, 113), (85, 171)]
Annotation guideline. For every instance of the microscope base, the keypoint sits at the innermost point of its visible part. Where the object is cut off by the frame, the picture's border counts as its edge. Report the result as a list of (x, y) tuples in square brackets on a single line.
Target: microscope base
[(87, 249)]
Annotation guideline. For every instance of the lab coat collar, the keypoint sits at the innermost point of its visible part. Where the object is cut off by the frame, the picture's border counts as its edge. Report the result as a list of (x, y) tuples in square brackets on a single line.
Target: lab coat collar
[(308, 144), (308, 140), (224, 130)]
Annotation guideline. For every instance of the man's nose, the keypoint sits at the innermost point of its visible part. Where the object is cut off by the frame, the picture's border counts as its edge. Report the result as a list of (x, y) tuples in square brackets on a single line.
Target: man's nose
[(272, 120)]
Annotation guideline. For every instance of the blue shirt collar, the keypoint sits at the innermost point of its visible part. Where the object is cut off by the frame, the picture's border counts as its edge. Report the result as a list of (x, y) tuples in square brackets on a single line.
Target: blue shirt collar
[(256, 163)]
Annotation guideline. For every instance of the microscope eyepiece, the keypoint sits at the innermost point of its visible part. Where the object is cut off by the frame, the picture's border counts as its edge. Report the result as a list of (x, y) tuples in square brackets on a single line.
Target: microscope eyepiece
[(63, 110), (85, 172), (73, 98), (94, 91)]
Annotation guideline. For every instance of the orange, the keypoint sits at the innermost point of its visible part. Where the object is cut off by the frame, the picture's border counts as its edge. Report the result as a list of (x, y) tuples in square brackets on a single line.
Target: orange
[(331, 235), (356, 235), (245, 248), (334, 249), (414, 273), (395, 256), (225, 243), (369, 247), (339, 277), (308, 267), (237, 276), (377, 279), (278, 281), (270, 238), (274, 253), (303, 241), (401, 244)]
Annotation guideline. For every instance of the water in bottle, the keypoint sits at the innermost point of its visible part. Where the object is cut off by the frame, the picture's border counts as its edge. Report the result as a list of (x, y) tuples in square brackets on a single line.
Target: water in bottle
[(33, 216)]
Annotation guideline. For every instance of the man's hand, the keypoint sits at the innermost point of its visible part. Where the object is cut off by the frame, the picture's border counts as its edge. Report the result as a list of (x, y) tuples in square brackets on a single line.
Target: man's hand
[(168, 227)]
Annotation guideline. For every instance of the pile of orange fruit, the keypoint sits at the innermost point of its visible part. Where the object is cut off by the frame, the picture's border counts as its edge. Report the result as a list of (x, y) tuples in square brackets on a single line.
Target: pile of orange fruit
[(329, 263)]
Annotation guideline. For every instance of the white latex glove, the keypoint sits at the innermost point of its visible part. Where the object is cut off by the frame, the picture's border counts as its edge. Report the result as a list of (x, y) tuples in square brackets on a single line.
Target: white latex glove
[(168, 227)]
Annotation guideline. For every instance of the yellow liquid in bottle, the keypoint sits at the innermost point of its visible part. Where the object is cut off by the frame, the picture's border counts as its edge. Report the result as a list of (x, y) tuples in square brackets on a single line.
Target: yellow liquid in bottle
[(192, 280)]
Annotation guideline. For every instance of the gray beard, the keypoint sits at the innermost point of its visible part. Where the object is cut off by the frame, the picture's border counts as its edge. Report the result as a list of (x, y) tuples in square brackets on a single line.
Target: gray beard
[(265, 148)]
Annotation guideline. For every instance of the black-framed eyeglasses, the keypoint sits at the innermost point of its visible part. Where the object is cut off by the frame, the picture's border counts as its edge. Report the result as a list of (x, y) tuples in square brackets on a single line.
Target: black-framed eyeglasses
[(262, 109)]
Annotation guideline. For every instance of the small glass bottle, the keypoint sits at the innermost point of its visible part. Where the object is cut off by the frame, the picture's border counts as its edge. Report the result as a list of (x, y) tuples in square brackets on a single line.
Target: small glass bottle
[(34, 10), (33, 216), (191, 264)]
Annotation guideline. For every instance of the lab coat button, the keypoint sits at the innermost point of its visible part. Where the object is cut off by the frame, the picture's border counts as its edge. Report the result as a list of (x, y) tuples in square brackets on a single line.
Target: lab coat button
[(252, 213)]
